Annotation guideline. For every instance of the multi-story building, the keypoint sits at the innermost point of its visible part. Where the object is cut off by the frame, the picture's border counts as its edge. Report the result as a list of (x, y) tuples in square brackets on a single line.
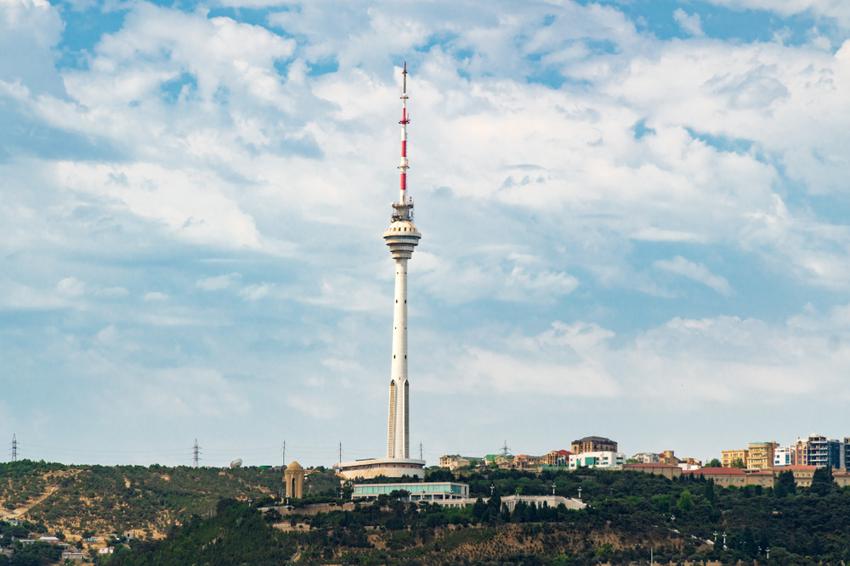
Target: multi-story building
[(730, 458), (823, 452), (784, 456), (559, 458), (593, 444), (646, 458), (800, 453), (760, 455), (456, 462), (599, 459), (668, 457)]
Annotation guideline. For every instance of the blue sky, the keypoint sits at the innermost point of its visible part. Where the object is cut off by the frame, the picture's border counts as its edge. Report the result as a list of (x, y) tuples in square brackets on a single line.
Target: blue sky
[(633, 217)]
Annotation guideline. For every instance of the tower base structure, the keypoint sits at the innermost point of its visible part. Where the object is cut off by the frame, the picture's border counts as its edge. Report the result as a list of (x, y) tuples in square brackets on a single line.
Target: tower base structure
[(375, 467)]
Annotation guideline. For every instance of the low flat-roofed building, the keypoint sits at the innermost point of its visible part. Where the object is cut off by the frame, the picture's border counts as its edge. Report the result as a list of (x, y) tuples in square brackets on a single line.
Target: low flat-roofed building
[(603, 460), (802, 474), (377, 467), (418, 491), (842, 478), (646, 458), (553, 501), (734, 477), (668, 471)]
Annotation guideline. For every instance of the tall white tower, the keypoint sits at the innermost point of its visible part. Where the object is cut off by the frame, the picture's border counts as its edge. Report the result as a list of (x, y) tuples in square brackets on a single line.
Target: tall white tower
[(401, 237)]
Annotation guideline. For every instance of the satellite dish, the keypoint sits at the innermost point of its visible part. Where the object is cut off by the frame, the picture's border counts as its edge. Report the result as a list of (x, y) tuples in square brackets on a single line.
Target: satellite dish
[(237, 463)]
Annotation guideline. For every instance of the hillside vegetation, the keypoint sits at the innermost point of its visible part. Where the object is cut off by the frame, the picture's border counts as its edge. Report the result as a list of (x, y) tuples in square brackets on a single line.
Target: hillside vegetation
[(121, 499), (629, 515)]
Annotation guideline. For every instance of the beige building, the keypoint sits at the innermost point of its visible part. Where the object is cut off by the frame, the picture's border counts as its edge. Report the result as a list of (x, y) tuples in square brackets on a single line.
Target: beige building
[(454, 462), (760, 455), (802, 474), (669, 471), (593, 444), (734, 477), (729, 457), (293, 478)]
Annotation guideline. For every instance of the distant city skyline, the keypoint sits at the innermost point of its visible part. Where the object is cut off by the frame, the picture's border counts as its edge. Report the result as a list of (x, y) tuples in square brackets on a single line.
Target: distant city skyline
[(636, 215)]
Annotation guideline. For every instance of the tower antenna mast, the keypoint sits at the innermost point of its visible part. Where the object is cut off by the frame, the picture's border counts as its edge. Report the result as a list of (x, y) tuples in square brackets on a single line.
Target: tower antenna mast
[(405, 120), (14, 448)]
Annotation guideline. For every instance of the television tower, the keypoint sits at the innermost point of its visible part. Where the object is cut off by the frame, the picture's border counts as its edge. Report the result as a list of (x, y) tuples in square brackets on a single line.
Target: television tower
[(401, 237)]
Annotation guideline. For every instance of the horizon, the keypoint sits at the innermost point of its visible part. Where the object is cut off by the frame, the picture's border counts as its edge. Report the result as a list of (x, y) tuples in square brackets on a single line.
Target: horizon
[(633, 218)]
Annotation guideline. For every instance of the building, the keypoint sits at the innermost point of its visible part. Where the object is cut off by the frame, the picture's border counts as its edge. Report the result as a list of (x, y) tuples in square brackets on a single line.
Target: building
[(802, 474), (729, 458), (457, 462), (646, 458), (760, 455), (423, 491), (784, 456), (557, 458), (381, 467), (822, 452), (733, 477), (293, 479), (401, 237), (668, 471), (593, 444), (510, 501), (602, 460)]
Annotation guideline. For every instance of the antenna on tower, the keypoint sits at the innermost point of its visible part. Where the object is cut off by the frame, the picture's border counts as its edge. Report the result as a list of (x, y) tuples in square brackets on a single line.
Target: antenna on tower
[(14, 448), (340, 453), (420, 451), (284, 455), (196, 453)]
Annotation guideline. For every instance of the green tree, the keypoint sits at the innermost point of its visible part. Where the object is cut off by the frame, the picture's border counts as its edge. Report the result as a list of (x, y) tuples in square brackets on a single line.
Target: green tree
[(714, 463), (822, 481), (685, 502), (785, 484)]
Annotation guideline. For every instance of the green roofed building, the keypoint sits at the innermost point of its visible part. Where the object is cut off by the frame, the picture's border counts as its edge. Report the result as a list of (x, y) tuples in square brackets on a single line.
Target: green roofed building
[(424, 491)]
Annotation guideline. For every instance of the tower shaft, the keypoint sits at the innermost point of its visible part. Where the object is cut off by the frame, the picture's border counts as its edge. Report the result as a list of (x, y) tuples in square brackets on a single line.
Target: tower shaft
[(398, 442)]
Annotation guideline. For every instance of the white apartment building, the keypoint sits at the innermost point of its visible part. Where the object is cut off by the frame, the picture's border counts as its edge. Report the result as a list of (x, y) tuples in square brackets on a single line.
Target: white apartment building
[(612, 460)]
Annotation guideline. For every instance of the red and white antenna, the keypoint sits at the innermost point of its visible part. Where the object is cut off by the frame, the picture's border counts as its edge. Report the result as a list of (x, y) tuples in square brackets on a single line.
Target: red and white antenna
[(405, 120)]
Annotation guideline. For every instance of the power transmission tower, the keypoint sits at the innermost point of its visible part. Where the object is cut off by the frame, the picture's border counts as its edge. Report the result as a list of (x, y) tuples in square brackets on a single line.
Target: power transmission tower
[(14, 448), (505, 449), (196, 453)]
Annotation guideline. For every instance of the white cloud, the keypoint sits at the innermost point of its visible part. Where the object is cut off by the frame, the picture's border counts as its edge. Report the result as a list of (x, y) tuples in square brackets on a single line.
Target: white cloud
[(155, 297), (71, 287), (218, 282), (695, 272), (690, 23)]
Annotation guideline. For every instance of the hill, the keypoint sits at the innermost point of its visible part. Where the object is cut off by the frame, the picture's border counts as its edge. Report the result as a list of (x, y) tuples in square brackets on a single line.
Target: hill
[(629, 515), (142, 501)]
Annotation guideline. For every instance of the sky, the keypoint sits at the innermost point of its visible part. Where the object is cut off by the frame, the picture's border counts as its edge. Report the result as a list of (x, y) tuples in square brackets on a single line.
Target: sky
[(634, 218)]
